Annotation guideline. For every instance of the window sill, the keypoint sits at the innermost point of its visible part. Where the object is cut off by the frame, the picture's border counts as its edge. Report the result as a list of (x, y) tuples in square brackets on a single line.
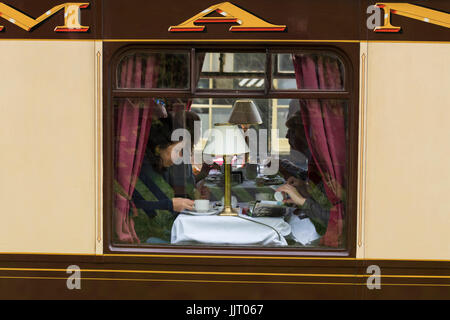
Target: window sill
[(217, 252)]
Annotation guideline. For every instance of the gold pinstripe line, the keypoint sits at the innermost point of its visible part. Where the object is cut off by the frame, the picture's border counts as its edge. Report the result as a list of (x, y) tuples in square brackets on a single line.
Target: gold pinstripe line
[(227, 281), (229, 273)]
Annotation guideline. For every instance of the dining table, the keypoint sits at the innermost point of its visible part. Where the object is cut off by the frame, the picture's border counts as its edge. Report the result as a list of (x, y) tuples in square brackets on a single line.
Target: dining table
[(194, 228)]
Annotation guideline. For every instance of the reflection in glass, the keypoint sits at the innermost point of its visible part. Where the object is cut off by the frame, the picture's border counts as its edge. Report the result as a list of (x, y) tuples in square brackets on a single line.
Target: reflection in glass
[(232, 71), (153, 70), (286, 75), (303, 127)]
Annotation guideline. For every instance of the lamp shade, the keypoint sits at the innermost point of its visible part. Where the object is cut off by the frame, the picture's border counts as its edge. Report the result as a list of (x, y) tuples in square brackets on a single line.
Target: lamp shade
[(245, 112), (225, 139)]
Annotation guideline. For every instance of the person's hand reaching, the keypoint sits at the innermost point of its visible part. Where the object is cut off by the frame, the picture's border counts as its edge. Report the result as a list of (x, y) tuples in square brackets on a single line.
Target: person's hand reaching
[(180, 204), (295, 197)]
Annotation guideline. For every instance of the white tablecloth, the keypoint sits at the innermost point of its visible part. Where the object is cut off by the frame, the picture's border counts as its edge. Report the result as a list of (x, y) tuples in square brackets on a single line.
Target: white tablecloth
[(303, 230), (241, 230)]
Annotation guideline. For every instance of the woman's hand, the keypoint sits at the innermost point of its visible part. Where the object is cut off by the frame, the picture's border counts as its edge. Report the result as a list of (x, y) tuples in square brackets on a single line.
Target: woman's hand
[(295, 196), (180, 204)]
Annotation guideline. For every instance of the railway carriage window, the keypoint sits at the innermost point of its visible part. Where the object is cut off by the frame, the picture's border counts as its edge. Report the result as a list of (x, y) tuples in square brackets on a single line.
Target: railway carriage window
[(289, 190)]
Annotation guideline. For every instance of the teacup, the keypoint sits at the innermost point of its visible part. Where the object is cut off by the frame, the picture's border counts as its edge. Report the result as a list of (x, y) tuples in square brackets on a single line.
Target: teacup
[(278, 196), (201, 205)]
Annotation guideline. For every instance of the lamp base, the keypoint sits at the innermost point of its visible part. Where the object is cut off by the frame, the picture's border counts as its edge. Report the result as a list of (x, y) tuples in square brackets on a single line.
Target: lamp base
[(228, 211)]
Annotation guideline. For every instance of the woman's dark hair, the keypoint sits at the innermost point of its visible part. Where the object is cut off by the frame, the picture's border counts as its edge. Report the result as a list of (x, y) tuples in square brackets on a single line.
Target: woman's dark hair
[(186, 120), (296, 133), (159, 139)]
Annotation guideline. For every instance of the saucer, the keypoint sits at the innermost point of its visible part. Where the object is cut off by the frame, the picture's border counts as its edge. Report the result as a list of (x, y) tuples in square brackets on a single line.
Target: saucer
[(201, 213)]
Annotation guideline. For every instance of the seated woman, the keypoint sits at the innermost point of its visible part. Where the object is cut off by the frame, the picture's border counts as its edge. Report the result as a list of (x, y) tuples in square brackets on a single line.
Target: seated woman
[(185, 181), (181, 176), (153, 194)]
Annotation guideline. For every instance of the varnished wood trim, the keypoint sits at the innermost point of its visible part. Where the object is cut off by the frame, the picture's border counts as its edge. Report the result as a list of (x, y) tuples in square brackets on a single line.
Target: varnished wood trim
[(362, 144)]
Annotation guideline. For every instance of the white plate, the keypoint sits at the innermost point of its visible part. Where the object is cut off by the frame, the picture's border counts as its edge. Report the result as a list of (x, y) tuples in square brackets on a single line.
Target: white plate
[(205, 213)]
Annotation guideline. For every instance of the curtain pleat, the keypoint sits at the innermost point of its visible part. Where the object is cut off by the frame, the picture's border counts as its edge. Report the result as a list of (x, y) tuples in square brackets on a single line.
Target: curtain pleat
[(324, 123), (133, 125)]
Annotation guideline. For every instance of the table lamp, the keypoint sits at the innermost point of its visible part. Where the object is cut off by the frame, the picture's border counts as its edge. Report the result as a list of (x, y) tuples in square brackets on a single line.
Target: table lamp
[(245, 113), (226, 140)]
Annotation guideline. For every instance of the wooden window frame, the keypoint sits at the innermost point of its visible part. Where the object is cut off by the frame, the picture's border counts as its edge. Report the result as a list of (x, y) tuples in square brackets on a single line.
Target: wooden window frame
[(349, 55)]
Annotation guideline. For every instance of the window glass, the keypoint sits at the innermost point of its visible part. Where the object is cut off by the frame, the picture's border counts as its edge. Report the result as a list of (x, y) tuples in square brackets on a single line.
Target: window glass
[(232, 71), (283, 160), (282, 115), (204, 114), (329, 68), (290, 155), (153, 70)]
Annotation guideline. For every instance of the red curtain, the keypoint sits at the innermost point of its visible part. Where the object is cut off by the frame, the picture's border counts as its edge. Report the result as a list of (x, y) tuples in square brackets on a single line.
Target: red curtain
[(200, 59), (324, 123), (132, 125)]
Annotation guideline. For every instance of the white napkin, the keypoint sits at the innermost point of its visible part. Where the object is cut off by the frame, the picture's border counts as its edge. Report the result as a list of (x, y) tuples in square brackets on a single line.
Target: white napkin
[(303, 230)]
